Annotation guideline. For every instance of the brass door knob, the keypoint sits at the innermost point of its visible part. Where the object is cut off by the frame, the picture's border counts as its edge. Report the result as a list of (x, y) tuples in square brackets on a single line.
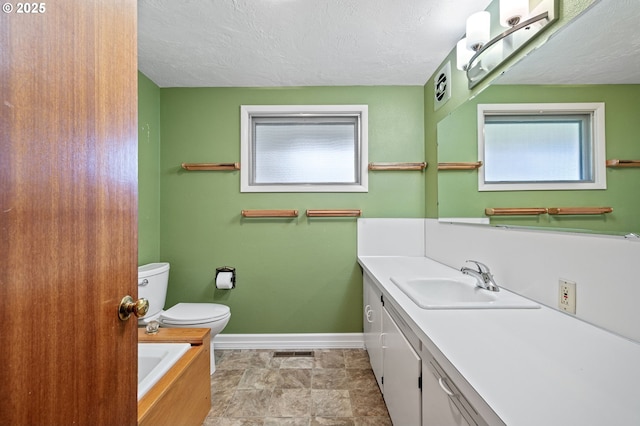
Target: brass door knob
[(128, 306)]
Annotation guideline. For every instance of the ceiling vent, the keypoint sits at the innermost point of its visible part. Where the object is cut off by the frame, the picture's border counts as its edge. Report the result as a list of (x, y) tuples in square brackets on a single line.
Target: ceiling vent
[(442, 89)]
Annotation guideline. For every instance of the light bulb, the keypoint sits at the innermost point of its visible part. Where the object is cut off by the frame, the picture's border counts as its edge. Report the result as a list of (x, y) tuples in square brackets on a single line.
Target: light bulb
[(478, 30), (492, 56), (513, 12), (463, 55)]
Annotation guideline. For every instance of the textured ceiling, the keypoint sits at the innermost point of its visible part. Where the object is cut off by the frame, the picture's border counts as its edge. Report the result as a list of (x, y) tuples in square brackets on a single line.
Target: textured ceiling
[(602, 46), (260, 43)]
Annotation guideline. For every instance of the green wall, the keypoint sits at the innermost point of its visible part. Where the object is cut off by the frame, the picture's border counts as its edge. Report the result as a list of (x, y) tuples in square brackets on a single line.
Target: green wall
[(148, 171), (293, 275)]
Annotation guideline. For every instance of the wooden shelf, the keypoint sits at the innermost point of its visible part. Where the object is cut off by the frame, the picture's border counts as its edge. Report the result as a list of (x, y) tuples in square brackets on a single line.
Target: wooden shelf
[(623, 163), (460, 165), (578, 210), (210, 166), (507, 211), (269, 213), (334, 213), (398, 166), (514, 211)]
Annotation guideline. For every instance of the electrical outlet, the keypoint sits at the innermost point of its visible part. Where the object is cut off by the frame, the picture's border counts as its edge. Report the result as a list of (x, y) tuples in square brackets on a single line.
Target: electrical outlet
[(567, 296)]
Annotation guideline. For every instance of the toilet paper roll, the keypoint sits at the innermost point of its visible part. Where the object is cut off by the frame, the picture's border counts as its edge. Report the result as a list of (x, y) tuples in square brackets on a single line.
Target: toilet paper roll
[(224, 280)]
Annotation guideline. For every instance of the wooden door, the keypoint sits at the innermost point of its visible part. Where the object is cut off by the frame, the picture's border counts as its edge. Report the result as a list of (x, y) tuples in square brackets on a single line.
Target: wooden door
[(68, 221)]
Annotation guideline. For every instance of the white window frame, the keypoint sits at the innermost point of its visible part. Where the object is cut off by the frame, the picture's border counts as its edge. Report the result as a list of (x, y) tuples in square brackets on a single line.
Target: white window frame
[(597, 112), (246, 155)]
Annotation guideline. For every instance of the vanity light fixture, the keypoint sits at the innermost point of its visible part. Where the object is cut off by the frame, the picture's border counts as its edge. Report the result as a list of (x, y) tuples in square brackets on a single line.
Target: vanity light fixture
[(478, 54)]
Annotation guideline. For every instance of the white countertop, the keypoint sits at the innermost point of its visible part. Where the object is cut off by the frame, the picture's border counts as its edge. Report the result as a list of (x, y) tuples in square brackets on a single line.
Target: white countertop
[(532, 366)]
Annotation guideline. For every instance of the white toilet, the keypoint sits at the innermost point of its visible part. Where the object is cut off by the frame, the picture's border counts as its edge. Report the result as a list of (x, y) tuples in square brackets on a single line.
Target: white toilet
[(152, 285)]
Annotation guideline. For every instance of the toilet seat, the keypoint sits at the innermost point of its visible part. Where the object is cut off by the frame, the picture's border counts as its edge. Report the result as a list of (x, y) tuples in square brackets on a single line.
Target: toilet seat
[(195, 313)]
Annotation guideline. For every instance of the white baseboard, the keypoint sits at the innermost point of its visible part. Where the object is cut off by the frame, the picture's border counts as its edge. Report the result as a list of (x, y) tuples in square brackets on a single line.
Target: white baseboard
[(290, 341)]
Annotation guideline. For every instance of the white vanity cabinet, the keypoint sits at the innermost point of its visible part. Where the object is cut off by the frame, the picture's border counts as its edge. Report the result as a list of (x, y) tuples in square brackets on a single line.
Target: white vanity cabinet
[(395, 363), (401, 374), (441, 401), (372, 320)]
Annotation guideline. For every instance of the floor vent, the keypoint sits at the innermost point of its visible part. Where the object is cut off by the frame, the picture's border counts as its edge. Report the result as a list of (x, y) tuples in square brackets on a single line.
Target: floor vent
[(280, 354)]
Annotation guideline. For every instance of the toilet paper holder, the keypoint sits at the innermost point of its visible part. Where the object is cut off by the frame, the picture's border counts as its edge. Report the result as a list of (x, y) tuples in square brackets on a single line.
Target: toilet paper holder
[(227, 269)]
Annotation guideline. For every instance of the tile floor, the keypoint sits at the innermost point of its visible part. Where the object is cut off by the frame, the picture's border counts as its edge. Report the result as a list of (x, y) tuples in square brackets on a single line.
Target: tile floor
[(334, 387)]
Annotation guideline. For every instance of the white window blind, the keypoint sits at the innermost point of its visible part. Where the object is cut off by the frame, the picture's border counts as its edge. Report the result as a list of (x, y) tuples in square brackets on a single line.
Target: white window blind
[(300, 150), (317, 148), (541, 146)]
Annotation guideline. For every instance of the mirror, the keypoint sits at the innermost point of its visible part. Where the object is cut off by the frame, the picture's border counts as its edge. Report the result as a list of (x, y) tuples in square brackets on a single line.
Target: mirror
[(574, 65)]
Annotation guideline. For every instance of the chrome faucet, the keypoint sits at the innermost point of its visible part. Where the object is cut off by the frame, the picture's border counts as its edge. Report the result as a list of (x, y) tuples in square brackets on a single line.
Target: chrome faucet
[(482, 275)]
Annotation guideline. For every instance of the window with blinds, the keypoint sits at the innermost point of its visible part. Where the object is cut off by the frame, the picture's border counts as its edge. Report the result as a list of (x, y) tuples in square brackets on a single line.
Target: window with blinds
[(541, 146), (304, 148)]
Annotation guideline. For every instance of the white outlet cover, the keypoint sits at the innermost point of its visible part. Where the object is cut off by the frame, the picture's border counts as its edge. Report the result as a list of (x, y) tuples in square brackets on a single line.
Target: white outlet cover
[(567, 296)]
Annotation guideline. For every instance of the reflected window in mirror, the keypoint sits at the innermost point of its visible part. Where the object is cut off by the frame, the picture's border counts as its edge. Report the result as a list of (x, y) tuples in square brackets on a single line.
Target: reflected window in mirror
[(541, 146)]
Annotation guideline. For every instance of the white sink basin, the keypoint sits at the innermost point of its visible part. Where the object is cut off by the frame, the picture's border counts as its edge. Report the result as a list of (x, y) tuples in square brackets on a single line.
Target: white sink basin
[(458, 293)]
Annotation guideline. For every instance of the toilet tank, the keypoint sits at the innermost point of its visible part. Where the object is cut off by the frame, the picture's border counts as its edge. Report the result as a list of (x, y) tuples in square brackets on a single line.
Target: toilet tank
[(152, 285)]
